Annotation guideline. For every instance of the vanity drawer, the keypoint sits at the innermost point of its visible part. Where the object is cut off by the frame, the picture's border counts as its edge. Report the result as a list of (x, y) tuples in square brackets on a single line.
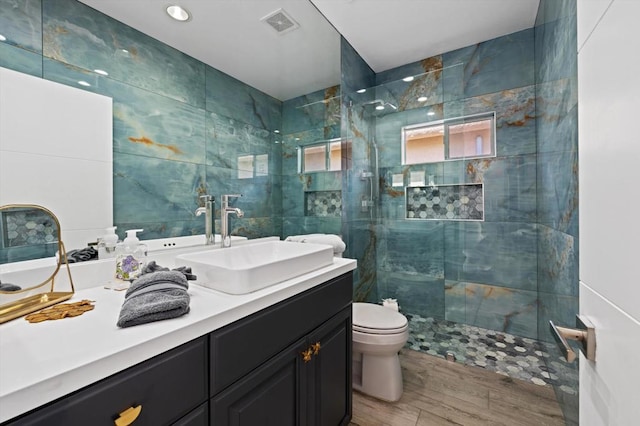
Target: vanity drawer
[(238, 348), (167, 387)]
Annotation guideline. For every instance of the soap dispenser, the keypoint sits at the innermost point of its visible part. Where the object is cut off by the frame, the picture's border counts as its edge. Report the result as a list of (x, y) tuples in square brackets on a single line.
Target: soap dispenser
[(131, 255), (107, 244)]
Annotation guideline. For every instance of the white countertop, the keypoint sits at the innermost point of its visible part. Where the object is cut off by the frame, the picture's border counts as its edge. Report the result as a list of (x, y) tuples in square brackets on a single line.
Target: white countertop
[(43, 361)]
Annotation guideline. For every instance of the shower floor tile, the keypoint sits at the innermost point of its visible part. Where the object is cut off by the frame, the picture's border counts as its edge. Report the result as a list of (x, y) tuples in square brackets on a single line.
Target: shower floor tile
[(506, 354)]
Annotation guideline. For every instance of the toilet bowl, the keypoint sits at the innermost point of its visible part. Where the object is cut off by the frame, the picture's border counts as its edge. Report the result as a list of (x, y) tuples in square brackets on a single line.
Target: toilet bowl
[(378, 334)]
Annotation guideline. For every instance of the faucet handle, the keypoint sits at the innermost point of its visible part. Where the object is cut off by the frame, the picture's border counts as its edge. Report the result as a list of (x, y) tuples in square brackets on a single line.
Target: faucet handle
[(225, 197), (207, 198)]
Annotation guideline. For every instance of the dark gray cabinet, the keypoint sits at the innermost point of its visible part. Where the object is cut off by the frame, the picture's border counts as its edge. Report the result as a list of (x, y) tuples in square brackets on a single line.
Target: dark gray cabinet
[(289, 364)]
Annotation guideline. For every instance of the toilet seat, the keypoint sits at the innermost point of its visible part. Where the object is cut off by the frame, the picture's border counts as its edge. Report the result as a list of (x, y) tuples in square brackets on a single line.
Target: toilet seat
[(375, 319)]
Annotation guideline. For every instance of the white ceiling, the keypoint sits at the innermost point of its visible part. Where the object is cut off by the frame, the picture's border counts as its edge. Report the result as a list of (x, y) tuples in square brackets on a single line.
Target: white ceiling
[(229, 36)]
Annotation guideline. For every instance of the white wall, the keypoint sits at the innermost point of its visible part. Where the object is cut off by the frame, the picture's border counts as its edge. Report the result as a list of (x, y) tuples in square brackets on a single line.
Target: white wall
[(609, 97), (56, 151)]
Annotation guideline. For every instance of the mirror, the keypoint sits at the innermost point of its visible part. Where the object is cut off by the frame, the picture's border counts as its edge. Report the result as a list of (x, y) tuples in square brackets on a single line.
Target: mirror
[(28, 232)]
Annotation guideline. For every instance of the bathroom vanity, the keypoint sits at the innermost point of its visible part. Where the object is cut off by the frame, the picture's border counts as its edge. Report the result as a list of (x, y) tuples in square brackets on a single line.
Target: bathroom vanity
[(281, 355)]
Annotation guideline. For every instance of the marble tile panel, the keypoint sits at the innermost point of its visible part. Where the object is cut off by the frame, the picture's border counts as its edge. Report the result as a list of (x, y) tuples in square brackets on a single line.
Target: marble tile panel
[(556, 43), (495, 253), (502, 309), (163, 228), (144, 123), (551, 10), (256, 200), (416, 68), (232, 98), (356, 74), (558, 191), (415, 293), (21, 23), (515, 117), (311, 111), (557, 262), (155, 190), (557, 112), (228, 139), (22, 60), (509, 185), (455, 307), (404, 94), (412, 248), (79, 35), (361, 240), (502, 63), (293, 189)]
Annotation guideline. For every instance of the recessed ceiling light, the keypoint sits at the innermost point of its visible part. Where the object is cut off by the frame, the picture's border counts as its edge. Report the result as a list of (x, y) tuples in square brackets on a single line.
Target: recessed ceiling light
[(83, 83), (178, 13), (101, 72), (276, 131), (422, 99), (408, 79), (361, 91), (380, 107), (431, 113), (2, 38)]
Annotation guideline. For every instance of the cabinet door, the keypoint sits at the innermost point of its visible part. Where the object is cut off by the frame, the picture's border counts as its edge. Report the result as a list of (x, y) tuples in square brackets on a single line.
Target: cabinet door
[(271, 395), (330, 372)]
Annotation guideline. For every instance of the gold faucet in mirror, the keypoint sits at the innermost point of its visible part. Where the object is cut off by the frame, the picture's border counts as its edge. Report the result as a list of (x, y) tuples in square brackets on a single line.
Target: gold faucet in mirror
[(26, 232)]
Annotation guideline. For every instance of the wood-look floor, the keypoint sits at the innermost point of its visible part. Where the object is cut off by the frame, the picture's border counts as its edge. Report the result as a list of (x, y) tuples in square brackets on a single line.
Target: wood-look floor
[(439, 392)]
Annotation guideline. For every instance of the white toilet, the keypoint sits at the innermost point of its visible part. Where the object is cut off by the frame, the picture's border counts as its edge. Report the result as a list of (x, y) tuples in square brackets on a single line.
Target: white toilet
[(378, 335)]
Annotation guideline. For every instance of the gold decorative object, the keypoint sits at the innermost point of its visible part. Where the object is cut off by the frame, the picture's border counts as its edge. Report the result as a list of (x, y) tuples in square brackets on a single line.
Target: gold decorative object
[(128, 416), (316, 348), (63, 310), (306, 355), (18, 307)]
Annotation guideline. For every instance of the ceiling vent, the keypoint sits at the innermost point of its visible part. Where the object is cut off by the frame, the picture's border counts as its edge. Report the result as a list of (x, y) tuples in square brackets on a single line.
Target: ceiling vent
[(280, 21)]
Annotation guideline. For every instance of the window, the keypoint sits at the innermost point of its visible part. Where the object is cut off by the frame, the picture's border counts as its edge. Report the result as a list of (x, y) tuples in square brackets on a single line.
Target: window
[(464, 137), (326, 156), (250, 166)]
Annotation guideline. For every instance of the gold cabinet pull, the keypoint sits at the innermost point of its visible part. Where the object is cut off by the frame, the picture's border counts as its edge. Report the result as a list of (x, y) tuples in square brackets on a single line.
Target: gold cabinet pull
[(306, 355), (316, 348), (128, 416)]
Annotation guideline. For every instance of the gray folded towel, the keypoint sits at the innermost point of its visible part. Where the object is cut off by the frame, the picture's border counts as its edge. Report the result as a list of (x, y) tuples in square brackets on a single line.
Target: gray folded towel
[(152, 266), (153, 297), (9, 287)]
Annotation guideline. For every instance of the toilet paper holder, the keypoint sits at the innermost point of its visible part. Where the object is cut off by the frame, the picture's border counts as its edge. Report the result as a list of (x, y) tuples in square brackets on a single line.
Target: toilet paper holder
[(585, 333)]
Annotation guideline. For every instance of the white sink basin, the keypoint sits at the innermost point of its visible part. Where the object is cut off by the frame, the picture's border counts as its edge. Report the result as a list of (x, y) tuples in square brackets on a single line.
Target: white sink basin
[(247, 268)]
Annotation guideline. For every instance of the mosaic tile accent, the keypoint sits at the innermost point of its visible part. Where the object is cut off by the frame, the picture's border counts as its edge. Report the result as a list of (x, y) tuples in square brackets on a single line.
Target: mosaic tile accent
[(506, 354), (323, 203), (446, 202), (28, 228)]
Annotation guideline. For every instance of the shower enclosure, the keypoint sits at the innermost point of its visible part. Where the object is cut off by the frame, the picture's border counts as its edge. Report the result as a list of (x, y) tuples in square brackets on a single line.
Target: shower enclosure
[(455, 240)]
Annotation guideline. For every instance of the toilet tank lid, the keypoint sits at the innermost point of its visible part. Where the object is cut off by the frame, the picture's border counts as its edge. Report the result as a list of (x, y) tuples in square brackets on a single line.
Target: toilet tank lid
[(378, 317)]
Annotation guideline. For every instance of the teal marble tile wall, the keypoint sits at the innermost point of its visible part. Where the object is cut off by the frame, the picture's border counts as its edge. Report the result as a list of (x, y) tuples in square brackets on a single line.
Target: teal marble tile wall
[(360, 227), (557, 169), (480, 273), (179, 125), (307, 120)]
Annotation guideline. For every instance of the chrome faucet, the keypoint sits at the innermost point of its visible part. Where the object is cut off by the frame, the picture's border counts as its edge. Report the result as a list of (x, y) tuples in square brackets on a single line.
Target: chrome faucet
[(208, 218), (225, 210)]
